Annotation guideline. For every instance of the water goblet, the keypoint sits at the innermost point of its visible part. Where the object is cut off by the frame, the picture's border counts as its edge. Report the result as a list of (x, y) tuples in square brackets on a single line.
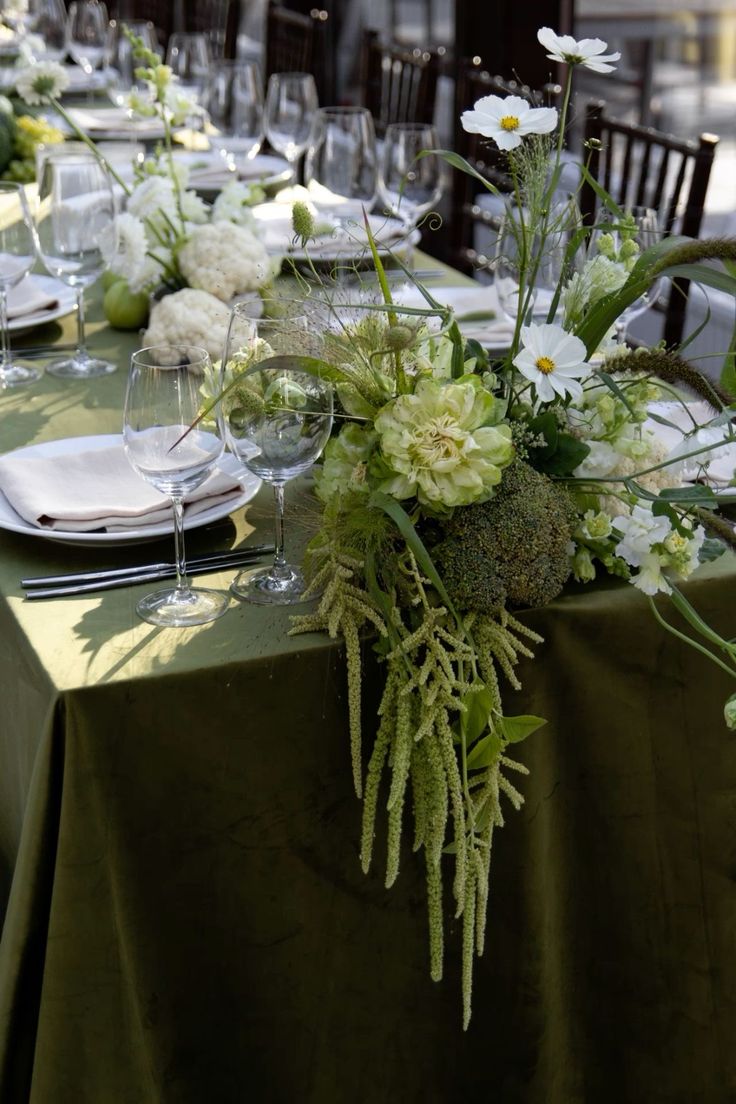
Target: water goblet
[(75, 228), (340, 168), (276, 420), (86, 33), (409, 185), (48, 19), (646, 232), (291, 102), (16, 258), (162, 402), (235, 107), (530, 265), (119, 55)]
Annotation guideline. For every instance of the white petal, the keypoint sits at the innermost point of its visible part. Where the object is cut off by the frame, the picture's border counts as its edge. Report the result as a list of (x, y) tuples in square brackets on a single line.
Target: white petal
[(545, 390), (588, 46), (506, 139), (539, 120), (547, 38)]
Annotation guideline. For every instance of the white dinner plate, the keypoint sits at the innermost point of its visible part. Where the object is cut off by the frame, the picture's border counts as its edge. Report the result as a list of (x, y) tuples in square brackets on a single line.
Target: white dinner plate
[(342, 245), (66, 302), (13, 522), (114, 123), (209, 175)]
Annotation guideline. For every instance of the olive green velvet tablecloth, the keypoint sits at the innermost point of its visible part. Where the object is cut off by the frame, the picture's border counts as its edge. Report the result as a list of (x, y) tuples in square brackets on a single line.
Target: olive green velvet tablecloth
[(187, 920)]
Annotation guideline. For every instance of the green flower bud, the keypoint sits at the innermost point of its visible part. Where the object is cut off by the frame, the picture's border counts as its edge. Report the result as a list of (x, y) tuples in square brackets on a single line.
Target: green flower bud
[(401, 336), (729, 712), (629, 248), (583, 567), (302, 222), (607, 246)]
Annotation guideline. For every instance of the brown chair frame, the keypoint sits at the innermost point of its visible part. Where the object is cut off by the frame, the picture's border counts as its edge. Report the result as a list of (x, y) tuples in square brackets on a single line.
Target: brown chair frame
[(397, 84), (298, 43), (660, 171), (219, 18)]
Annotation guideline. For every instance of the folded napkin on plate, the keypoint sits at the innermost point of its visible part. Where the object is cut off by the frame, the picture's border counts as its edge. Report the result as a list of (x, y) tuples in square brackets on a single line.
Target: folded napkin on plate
[(28, 298), (113, 118), (476, 309), (97, 489)]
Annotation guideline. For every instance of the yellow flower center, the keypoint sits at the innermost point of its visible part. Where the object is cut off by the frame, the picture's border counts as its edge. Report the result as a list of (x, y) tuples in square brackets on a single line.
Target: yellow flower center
[(510, 122), (546, 365)]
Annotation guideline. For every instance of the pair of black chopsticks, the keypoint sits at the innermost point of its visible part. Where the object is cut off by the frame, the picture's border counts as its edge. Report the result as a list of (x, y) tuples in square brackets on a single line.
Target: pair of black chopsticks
[(85, 582)]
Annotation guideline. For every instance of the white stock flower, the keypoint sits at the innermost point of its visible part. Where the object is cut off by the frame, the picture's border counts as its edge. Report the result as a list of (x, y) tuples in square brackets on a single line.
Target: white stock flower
[(553, 360), (153, 198), (650, 579), (232, 205), (41, 83), (588, 52), (193, 208), (508, 119), (180, 106), (639, 530), (128, 259)]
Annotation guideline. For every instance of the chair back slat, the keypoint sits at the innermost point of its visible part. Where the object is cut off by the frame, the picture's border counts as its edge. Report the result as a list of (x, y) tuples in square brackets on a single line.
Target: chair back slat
[(299, 43), (397, 85), (218, 19), (661, 171)]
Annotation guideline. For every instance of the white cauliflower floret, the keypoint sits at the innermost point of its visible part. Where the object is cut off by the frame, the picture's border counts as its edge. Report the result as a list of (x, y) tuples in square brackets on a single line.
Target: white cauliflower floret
[(225, 260), (189, 317)]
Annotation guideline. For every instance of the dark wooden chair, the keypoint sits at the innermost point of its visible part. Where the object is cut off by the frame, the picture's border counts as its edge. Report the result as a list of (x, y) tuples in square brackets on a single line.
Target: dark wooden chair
[(642, 167), (219, 19), (297, 43), (397, 84), (474, 82)]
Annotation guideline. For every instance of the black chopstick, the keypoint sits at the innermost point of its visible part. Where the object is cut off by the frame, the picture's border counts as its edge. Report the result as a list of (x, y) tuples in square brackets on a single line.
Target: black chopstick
[(212, 560)]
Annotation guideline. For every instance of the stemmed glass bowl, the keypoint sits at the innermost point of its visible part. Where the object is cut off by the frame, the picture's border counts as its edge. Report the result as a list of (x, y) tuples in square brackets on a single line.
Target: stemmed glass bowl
[(17, 254), (291, 102), (341, 162), (276, 420), (162, 403), (409, 185)]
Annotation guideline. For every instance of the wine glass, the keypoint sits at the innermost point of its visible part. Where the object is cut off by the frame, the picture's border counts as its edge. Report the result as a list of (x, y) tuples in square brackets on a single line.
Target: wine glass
[(188, 55), (48, 21), (86, 33), (277, 422), (119, 55), (410, 186), (16, 258), (75, 222), (529, 265), (340, 168), (162, 401), (646, 232), (235, 107), (291, 101)]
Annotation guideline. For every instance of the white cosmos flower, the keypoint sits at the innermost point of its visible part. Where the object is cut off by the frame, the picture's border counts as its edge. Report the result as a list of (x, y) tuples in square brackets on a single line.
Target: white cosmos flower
[(588, 52), (506, 119), (41, 83), (553, 360)]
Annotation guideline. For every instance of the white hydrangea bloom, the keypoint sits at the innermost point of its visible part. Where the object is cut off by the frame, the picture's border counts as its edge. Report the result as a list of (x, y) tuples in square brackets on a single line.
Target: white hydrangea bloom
[(153, 199), (128, 259), (194, 209), (231, 205)]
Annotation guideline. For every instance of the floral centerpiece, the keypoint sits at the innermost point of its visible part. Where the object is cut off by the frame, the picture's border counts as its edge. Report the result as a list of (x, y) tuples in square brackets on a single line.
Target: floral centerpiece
[(459, 490), (193, 259)]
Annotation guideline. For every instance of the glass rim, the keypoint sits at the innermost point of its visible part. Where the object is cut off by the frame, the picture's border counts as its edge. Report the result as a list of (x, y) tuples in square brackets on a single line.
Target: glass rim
[(409, 127), (139, 354), (290, 73), (347, 111)]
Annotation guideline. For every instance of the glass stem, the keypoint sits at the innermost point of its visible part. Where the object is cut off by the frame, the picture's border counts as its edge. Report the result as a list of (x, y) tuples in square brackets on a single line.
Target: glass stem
[(279, 559), (182, 583), (81, 348), (5, 340)]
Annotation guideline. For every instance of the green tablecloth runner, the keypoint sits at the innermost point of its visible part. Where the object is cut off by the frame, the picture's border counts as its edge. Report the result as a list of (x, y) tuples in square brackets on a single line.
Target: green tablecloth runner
[(187, 918)]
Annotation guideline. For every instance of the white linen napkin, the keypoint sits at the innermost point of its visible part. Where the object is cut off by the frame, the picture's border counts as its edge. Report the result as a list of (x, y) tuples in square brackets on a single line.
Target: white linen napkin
[(96, 119), (97, 489), (476, 308), (28, 298)]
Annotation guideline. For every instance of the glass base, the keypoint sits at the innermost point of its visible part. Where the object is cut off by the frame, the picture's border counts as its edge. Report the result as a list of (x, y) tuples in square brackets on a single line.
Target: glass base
[(16, 375), (262, 586), (180, 608), (80, 368)]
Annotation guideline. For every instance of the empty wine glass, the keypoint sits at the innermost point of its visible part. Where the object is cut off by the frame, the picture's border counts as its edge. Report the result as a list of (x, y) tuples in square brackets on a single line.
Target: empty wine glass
[(48, 21), (277, 422), (340, 168), (529, 265), (640, 224), (119, 55), (162, 401), (16, 258), (409, 185), (235, 107), (75, 222), (188, 55), (291, 102), (86, 33)]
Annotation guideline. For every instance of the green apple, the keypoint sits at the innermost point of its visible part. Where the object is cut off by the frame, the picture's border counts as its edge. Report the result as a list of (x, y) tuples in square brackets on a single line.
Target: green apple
[(125, 309), (108, 279)]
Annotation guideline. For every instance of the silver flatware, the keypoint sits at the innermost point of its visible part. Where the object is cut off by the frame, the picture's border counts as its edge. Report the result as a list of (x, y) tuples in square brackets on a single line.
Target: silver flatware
[(47, 586)]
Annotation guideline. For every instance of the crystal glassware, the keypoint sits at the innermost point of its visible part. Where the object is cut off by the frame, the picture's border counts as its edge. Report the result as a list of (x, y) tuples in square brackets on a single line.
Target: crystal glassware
[(235, 107), (340, 168), (162, 402), (86, 33), (75, 228), (528, 265), (410, 186), (277, 422), (17, 255), (188, 55), (647, 233), (119, 55), (291, 103), (47, 19)]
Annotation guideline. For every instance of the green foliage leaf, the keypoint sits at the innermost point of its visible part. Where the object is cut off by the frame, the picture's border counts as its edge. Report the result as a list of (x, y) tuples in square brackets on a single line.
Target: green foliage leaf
[(697, 495), (485, 752), (516, 729), (711, 549), (562, 453), (478, 705)]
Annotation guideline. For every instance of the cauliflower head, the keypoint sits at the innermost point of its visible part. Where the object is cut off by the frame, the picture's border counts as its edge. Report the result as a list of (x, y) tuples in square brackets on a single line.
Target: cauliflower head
[(189, 317), (225, 260)]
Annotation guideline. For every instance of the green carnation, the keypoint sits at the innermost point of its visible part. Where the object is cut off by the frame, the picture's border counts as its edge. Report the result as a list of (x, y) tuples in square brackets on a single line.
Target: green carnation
[(440, 446), (345, 462)]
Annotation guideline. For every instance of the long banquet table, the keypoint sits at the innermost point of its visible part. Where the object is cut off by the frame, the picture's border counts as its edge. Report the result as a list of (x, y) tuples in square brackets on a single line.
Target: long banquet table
[(187, 920)]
